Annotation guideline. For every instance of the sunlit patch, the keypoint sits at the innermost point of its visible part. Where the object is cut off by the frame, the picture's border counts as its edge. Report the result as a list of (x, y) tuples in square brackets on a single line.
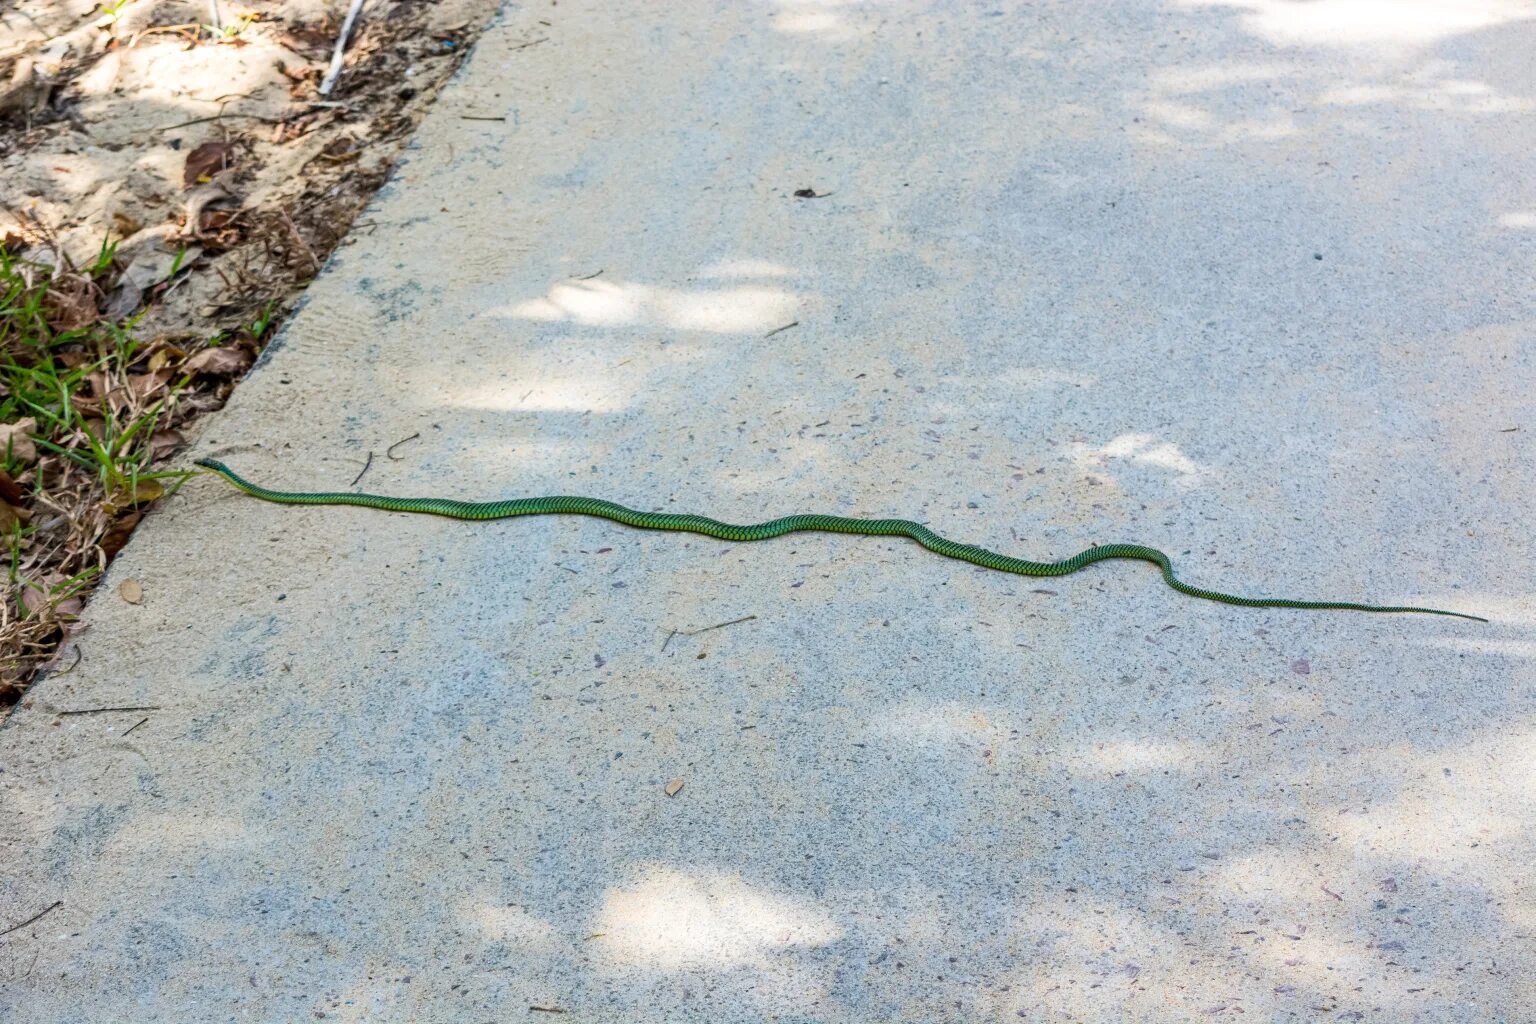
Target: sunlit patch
[(511, 924), (613, 303), (935, 724), (1143, 449), (1501, 608), (1177, 80), (1140, 755), (1358, 95), (748, 268), (1123, 958), (1464, 807), (1504, 648), (1519, 219), (672, 920), (1178, 115), (1452, 94), (1358, 22), (808, 21)]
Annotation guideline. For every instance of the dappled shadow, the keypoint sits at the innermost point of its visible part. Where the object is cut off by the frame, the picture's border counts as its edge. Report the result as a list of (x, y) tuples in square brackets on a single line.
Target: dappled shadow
[(912, 789)]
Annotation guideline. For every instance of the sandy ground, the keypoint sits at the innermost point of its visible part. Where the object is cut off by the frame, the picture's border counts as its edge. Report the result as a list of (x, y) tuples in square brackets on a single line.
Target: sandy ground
[(175, 171), (104, 110), (1250, 282)]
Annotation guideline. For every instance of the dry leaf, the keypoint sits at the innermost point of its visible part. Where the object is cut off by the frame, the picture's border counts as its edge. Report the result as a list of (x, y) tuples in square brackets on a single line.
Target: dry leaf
[(211, 195), (207, 160), (314, 43), (674, 787), (9, 491), (39, 595), (118, 533), (131, 591), (126, 224), (164, 442), (342, 149), (16, 440), (223, 361), (146, 384), (71, 303), (147, 490), (12, 517), (139, 493), (164, 356)]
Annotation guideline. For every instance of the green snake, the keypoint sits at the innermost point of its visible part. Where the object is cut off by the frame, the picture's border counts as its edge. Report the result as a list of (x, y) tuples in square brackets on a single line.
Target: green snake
[(480, 510)]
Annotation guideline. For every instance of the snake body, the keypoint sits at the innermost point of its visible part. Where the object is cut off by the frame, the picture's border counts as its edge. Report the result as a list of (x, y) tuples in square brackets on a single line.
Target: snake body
[(565, 505)]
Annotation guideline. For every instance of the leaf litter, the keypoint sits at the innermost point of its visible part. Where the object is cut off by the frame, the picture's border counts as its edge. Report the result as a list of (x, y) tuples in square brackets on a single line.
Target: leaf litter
[(137, 286)]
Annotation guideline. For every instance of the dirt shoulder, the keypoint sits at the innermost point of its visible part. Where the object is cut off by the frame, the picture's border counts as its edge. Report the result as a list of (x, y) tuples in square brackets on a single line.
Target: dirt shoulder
[(175, 173)]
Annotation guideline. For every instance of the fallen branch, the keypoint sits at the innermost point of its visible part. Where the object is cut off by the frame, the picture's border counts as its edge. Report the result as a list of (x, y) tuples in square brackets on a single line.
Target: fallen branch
[(334, 71)]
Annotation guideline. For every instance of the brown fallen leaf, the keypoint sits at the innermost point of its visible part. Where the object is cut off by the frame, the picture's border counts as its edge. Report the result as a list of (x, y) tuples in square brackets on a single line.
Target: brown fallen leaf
[(49, 592), (126, 224), (145, 385), (16, 440), (131, 591), (164, 442), (12, 517), (72, 303), (340, 150), (207, 160), (208, 196), (674, 787), (314, 42), (140, 492), (9, 491), (164, 356), (117, 534), (222, 361)]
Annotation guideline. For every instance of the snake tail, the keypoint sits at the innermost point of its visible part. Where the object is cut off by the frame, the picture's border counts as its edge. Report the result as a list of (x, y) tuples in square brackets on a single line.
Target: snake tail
[(565, 505)]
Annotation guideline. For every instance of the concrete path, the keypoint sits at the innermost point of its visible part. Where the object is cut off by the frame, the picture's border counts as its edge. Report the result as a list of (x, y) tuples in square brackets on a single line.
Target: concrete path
[(1248, 281)]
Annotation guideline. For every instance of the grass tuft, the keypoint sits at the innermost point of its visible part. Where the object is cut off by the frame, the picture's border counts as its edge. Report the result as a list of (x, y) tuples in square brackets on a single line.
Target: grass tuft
[(88, 416)]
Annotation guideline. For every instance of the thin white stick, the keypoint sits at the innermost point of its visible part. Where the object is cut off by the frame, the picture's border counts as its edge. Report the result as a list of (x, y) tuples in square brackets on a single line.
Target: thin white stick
[(334, 71)]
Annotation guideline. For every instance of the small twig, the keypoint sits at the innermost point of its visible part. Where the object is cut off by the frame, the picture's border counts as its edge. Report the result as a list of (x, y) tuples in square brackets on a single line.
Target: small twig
[(134, 726), (668, 640), (776, 330), (477, 117), (298, 239), (219, 117), (546, 1009), (524, 46), (719, 625), (72, 665), (334, 71), (366, 466), (390, 451), (35, 917), (588, 277), (103, 711)]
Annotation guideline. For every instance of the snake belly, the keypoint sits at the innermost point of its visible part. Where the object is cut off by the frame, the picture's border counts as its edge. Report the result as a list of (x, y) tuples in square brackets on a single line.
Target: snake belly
[(568, 505)]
